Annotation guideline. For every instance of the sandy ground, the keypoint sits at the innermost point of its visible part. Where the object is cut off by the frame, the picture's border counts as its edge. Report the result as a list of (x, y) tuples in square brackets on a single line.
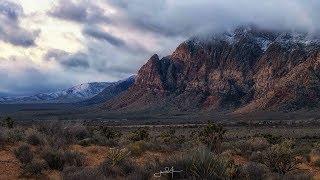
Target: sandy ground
[(9, 165)]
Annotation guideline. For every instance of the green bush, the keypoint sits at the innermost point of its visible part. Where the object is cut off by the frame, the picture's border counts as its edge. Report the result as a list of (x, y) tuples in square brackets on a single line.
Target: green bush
[(24, 154)]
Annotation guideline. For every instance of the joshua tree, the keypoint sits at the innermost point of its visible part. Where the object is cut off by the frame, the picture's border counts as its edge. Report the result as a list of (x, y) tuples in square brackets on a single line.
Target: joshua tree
[(212, 136)]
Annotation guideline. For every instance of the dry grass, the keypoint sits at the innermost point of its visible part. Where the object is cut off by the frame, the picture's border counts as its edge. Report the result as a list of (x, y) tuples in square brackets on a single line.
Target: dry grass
[(245, 146)]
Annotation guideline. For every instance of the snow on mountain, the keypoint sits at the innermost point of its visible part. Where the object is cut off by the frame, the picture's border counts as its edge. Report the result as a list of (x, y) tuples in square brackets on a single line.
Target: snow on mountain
[(74, 94), (264, 38)]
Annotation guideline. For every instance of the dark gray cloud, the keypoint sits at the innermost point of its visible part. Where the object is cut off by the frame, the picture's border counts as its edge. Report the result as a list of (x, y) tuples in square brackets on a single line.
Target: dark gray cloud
[(82, 12), (186, 18), (97, 33), (77, 60), (111, 63), (10, 29), (28, 78), (10, 10)]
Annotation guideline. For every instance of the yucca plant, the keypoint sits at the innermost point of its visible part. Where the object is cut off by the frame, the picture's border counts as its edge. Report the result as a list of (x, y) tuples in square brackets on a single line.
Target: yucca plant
[(204, 164), (116, 156), (117, 163)]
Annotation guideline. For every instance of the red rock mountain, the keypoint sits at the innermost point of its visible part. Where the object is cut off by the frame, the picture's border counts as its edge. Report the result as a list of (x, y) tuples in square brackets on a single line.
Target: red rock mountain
[(244, 70)]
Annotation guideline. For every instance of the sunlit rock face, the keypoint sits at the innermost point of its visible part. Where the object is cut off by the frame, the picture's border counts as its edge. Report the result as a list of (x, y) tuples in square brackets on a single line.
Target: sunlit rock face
[(243, 70)]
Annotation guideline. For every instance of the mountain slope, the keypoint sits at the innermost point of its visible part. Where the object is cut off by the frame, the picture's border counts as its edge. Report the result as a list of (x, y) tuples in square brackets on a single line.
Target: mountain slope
[(111, 91), (74, 94), (244, 70)]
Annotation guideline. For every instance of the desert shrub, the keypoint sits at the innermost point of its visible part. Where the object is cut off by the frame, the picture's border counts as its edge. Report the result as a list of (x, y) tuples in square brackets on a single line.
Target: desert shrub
[(258, 143), (14, 135), (108, 140), (256, 156), (34, 168), (8, 123), (206, 165), (57, 133), (168, 136), (238, 147), (24, 154), (2, 137), (201, 164), (74, 159), (35, 138), (86, 142), (78, 131), (212, 136), (139, 134), (280, 157), (254, 171), (117, 164), (272, 139), (137, 148), (110, 133), (55, 159), (317, 162)]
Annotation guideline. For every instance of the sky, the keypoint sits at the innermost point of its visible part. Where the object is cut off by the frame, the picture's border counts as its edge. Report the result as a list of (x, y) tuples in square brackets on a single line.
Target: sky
[(47, 45)]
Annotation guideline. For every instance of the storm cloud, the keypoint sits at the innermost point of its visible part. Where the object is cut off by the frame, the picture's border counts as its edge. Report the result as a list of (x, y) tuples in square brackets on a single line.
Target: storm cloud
[(81, 11), (102, 35), (68, 60), (108, 40), (10, 29)]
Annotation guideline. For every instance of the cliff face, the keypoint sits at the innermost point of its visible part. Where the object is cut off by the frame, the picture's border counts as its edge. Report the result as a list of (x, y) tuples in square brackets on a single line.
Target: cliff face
[(244, 70)]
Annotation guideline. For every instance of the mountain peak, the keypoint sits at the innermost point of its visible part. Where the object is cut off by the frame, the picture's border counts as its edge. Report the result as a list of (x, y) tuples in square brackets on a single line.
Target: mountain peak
[(245, 67)]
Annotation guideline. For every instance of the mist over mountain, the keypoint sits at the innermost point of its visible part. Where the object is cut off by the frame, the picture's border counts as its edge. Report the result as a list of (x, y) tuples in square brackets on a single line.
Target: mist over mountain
[(244, 70)]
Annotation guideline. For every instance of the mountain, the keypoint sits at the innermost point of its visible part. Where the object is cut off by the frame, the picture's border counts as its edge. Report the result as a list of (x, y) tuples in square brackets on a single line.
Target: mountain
[(111, 91), (74, 94), (244, 70)]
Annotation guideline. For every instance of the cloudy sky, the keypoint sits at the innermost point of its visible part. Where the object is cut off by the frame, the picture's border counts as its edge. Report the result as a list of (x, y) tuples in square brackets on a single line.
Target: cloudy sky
[(51, 44)]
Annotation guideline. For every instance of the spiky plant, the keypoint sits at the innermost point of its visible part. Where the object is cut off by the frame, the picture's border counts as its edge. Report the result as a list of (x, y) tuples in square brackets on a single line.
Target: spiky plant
[(212, 136)]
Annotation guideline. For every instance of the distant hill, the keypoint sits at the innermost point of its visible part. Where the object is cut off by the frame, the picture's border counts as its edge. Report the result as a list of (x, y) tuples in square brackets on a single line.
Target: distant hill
[(111, 91), (72, 95)]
